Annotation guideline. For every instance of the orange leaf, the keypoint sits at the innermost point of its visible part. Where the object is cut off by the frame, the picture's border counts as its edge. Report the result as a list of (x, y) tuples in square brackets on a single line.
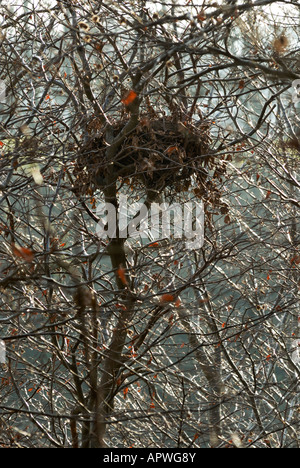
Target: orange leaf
[(47, 97), (171, 319), (99, 46), (295, 259), (131, 96), (1, 143), (242, 84), (167, 298), (268, 194), (155, 244), (122, 275), (201, 16), (171, 149), (125, 391), (23, 252)]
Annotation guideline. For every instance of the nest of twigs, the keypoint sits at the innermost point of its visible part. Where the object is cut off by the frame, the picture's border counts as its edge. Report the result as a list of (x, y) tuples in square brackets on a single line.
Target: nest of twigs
[(161, 153)]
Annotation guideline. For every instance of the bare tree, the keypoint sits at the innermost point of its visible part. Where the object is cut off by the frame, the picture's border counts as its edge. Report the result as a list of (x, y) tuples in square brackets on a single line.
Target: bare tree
[(120, 341)]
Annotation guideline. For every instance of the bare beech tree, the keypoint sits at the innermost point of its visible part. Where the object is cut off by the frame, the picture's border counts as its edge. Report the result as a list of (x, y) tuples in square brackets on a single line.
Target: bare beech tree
[(119, 341)]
